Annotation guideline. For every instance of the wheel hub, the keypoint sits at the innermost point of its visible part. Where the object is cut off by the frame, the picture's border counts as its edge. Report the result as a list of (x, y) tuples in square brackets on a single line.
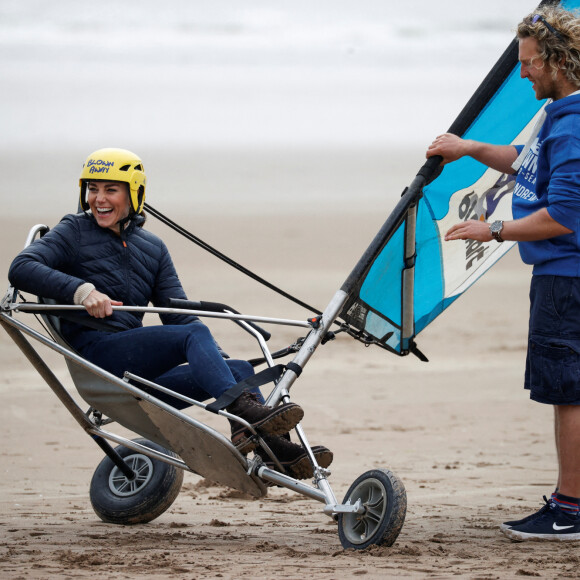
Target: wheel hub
[(121, 485)]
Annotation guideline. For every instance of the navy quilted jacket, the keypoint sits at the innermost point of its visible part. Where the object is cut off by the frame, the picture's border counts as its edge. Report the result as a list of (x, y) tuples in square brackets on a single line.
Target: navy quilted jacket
[(135, 268)]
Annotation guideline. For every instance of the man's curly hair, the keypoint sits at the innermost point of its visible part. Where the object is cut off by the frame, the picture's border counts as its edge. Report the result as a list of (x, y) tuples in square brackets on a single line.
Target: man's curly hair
[(559, 47)]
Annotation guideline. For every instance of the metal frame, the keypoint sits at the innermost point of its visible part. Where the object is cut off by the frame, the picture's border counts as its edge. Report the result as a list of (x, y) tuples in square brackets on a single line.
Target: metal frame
[(18, 331)]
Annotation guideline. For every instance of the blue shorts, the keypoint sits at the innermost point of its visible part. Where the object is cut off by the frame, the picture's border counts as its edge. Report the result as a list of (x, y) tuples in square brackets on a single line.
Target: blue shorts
[(553, 360)]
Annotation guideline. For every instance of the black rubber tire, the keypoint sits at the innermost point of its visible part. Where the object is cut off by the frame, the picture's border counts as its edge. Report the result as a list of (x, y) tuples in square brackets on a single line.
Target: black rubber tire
[(383, 495), (117, 500)]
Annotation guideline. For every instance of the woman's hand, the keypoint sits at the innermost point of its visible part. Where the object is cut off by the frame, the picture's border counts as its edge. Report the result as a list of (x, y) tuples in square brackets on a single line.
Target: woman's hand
[(99, 305), (469, 230)]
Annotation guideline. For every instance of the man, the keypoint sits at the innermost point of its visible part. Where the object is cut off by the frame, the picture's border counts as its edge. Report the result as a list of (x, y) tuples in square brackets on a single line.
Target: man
[(546, 209)]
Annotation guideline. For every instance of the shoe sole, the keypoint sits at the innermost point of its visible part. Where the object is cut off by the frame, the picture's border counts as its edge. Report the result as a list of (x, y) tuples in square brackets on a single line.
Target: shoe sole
[(279, 422), (523, 537)]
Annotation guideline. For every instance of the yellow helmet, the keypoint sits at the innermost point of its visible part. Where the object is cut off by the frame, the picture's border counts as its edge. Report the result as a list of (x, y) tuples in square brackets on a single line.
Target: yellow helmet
[(115, 165)]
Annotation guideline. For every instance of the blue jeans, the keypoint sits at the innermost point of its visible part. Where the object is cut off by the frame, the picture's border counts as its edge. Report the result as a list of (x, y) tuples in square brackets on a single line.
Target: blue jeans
[(184, 358)]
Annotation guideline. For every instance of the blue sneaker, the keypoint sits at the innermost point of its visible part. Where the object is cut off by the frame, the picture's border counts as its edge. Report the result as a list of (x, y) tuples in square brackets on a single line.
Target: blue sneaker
[(527, 519), (552, 524)]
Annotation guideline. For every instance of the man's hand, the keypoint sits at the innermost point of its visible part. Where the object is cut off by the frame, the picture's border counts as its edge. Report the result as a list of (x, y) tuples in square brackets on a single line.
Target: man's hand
[(469, 230), (449, 146)]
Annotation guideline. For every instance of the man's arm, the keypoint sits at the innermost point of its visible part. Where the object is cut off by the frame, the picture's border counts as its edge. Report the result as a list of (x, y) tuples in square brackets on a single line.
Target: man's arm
[(537, 226), (451, 147)]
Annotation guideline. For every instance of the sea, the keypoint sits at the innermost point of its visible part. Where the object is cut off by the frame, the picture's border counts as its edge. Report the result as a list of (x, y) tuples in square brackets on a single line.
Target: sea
[(174, 76)]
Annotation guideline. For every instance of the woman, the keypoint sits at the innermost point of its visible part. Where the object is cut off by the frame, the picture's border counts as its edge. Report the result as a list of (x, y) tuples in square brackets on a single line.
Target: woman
[(103, 257)]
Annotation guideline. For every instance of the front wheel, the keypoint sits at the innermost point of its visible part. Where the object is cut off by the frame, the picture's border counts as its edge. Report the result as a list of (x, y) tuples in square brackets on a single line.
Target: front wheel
[(119, 500), (383, 496)]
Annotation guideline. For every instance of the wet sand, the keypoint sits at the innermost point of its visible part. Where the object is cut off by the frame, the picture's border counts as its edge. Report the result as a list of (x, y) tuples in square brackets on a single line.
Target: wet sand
[(470, 448)]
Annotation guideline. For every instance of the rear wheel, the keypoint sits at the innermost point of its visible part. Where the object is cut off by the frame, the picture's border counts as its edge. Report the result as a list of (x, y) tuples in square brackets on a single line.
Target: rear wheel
[(117, 499), (384, 500)]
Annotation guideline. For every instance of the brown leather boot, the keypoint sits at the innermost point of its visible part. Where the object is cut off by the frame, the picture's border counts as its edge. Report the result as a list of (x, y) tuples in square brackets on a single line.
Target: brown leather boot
[(294, 458), (266, 420)]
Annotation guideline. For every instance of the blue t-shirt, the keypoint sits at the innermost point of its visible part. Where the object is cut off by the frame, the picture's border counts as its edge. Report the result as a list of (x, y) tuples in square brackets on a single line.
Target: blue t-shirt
[(550, 178)]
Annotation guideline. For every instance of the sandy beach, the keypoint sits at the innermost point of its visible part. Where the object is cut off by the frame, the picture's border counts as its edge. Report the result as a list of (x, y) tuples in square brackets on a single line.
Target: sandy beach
[(282, 134), (470, 448)]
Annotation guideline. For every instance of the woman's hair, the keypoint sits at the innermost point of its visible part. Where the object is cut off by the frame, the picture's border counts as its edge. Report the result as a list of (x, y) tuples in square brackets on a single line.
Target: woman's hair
[(558, 34)]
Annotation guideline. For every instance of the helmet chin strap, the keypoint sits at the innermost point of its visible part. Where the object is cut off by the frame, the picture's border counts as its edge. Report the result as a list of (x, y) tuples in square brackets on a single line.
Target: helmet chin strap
[(122, 222)]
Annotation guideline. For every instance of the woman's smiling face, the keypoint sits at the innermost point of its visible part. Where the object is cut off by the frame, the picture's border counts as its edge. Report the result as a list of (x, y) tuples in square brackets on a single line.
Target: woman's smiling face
[(109, 202)]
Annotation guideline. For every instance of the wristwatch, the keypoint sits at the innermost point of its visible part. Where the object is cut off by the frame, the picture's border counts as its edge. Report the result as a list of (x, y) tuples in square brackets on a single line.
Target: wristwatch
[(496, 228)]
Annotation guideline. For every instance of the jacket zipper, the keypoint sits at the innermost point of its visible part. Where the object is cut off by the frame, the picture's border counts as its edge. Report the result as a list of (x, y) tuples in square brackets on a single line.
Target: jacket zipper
[(126, 261)]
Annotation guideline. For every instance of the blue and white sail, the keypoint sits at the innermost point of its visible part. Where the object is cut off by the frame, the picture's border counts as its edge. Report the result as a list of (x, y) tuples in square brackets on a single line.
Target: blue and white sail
[(409, 275)]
